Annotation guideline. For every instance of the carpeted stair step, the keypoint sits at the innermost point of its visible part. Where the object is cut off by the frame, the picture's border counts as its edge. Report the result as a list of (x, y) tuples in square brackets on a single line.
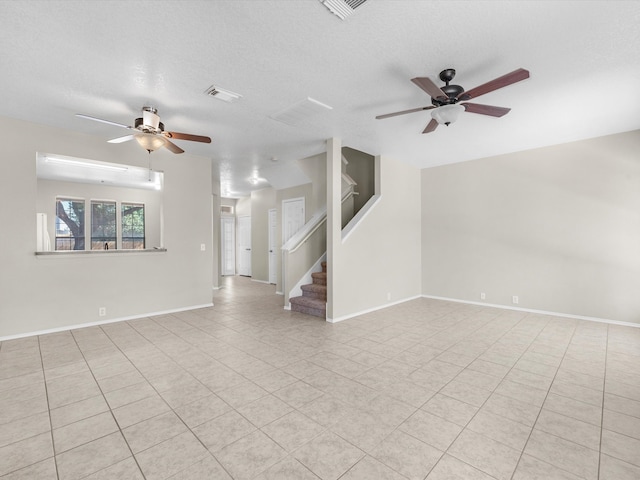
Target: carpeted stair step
[(319, 278), (324, 267), (314, 291), (310, 306)]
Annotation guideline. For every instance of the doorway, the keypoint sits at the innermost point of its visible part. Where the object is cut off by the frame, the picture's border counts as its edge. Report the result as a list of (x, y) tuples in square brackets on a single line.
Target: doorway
[(292, 217), (244, 246), (273, 274), (228, 244)]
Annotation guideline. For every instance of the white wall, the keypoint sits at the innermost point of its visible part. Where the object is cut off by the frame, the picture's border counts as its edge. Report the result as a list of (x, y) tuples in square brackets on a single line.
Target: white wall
[(379, 262), (261, 201), (243, 206), (315, 168), (39, 293), (559, 227)]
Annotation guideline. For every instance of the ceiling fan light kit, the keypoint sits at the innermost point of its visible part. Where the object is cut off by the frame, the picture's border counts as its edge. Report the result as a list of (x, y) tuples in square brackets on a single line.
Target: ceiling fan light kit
[(447, 114), (149, 142), (445, 107)]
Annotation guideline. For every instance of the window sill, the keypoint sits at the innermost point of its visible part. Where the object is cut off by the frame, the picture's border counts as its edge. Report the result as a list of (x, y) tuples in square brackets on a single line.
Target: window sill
[(64, 253)]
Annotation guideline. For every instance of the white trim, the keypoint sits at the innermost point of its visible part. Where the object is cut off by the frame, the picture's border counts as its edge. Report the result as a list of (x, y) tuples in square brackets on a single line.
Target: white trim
[(541, 312), (306, 279), (358, 217), (103, 322), (279, 293), (304, 216), (369, 310), (306, 230), (287, 306), (260, 281)]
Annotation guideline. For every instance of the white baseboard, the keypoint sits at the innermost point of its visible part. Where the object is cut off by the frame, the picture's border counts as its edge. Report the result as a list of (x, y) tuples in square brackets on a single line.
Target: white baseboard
[(531, 310), (369, 310), (103, 322), (260, 281)]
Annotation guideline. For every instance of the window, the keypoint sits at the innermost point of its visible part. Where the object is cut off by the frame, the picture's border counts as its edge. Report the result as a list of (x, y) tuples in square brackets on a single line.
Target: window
[(109, 224), (132, 226), (103, 225), (69, 224)]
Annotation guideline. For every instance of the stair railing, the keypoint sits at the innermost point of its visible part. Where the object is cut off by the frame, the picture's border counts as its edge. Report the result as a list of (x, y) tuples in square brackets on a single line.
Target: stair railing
[(304, 249)]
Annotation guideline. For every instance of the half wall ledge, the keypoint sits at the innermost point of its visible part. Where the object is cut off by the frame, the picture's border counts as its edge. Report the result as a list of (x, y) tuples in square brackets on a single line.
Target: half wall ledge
[(64, 253)]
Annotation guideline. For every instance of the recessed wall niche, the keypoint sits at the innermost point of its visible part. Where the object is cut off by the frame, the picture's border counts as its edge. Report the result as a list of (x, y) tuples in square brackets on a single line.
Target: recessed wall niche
[(107, 206)]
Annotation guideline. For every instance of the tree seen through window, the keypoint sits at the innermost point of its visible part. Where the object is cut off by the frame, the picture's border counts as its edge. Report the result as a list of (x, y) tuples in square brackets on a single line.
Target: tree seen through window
[(103, 226), (69, 224), (133, 226)]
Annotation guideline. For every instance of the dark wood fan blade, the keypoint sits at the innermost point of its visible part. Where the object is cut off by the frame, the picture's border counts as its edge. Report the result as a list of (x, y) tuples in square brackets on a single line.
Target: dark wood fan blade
[(172, 146), (380, 117), (102, 121), (431, 126), (187, 136), (426, 84), (500, 82), (485, 109), (126, 138)]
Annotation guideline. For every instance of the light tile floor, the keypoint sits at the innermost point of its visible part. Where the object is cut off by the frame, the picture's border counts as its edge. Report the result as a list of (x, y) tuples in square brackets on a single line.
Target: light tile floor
[(243, 390)]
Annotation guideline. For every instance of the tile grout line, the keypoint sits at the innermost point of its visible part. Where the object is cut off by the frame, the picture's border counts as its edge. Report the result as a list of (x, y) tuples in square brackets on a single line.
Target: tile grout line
[(541, 408), (46, 392), (452, 379), (170, 407), (483, 403), (110, 409), (288, 454), (604, 388), (447, 383), (544, 401), (226, 366)]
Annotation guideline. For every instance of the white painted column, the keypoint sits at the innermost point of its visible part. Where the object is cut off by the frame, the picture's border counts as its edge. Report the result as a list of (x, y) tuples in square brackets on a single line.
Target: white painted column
[(334, 218)]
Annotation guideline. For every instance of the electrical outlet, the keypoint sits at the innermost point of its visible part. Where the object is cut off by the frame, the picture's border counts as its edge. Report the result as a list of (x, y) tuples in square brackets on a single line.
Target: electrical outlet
[(102, 311), (483, 296), (203, 247), (515, 299)]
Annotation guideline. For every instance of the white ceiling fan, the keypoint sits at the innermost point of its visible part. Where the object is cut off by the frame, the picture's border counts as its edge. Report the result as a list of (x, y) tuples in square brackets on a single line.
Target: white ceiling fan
[(149, 132)]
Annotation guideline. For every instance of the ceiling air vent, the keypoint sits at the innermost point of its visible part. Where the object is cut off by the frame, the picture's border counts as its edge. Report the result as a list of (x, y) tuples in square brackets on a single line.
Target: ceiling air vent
[(300, 112), (221, 94), (342, 8)]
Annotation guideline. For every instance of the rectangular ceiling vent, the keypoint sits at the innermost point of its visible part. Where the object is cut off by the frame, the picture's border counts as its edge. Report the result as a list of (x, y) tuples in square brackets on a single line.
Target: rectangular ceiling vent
[(300, 111), (221, 94), (342, 8)]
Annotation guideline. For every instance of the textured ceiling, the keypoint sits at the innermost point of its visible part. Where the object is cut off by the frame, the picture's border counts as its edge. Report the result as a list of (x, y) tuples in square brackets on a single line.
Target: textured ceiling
[(109, 58)]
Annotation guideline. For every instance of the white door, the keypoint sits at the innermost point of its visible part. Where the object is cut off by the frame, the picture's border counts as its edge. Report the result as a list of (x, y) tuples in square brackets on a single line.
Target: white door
[(228, 242), (244, 246), (273, 278), (292, 217)]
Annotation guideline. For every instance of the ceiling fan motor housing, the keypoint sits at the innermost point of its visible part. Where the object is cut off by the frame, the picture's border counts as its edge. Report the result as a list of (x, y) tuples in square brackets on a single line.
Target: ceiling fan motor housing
[(452, 91), (149, 122)]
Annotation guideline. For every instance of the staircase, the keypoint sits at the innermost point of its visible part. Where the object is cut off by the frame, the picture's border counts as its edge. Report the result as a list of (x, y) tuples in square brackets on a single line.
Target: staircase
[(314, 296)]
